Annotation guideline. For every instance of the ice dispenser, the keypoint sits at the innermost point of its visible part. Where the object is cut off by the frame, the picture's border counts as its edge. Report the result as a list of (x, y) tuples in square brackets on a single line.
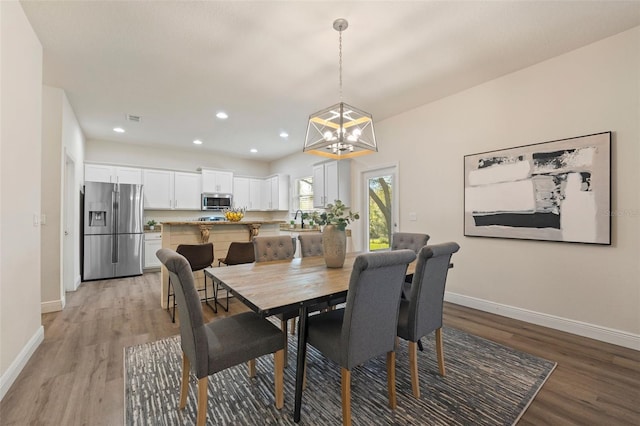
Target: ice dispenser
[(97, 218)]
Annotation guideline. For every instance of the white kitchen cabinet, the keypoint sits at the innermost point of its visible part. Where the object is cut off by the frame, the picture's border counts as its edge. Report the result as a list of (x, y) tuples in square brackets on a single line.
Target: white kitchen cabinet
[(241, 192), (158, 189), (187, 191), (152, 243), (167, 190), (331, 181), (217, 181), (112, 174), (276, 192), (248, 192), (255, 194)]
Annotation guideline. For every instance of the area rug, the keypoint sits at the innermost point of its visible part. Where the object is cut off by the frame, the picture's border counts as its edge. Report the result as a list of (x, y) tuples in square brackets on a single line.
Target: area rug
[(485, 384)]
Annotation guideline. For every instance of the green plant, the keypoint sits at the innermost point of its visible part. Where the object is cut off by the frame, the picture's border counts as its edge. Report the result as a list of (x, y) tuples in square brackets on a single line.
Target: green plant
[(335, 214), (151, 222)]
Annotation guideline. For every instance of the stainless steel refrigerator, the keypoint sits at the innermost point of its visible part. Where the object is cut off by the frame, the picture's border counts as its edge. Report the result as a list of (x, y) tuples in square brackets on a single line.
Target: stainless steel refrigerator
[(113, 230)]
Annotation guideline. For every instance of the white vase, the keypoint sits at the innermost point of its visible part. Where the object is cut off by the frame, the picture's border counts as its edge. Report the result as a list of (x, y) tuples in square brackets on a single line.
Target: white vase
[(334, 245)]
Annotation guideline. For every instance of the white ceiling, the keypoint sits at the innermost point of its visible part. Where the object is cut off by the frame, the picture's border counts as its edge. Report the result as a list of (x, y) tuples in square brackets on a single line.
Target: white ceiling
[(269, 64)]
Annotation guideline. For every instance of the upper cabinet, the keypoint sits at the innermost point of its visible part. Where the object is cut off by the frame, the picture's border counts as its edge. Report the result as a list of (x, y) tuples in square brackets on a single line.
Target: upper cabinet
[(112, 174), (276, 193), (167, 190), (331, 181), (247, 193), (217, 181)]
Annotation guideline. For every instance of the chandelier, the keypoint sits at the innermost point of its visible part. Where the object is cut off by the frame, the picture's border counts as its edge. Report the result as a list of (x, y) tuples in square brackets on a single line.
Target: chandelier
[(341, 130)]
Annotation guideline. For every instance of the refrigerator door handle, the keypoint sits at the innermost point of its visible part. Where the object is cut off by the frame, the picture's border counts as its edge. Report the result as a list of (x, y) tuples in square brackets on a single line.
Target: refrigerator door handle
[(114, 218)]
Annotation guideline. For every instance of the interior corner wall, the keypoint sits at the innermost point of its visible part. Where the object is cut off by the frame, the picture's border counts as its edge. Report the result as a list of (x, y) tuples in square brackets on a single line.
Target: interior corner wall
[(20, 155), (589, 90)]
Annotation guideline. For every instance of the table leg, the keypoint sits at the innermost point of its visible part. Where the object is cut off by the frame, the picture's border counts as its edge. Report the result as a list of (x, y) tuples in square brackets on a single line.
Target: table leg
[(302, 355)]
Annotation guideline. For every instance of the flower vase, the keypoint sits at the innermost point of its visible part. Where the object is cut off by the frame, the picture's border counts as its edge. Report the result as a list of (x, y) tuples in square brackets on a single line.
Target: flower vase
[(334, 245)]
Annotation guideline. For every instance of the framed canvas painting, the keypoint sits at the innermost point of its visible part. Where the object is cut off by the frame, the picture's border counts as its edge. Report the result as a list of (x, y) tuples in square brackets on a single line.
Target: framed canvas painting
[(552, 191)]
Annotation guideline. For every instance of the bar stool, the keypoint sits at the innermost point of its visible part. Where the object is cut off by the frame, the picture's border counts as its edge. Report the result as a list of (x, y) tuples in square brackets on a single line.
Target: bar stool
[(199, 256), (239, 253)]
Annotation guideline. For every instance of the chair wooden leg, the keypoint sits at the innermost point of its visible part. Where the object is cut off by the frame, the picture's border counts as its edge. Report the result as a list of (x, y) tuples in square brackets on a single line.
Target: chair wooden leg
[(440, 350), (251, 364), (283, 326), (279, 378), (413, 368), (202, 401), (391, 378), (184, 385), (346, 396)]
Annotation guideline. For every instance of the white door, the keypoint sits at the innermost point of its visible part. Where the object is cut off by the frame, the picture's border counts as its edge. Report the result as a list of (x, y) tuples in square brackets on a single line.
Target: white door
[(255, 194), (381, 208), (158, 189), (69, 214), (187, 191), (241, 193), (318, 186), (97, 173), (128, 175)]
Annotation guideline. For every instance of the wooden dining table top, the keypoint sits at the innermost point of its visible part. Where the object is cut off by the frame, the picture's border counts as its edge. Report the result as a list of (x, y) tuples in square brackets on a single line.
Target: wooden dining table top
[(274, 287)]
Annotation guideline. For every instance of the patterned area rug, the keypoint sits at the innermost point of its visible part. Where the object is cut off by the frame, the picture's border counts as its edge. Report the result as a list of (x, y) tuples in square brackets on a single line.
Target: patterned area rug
[(486, 384)]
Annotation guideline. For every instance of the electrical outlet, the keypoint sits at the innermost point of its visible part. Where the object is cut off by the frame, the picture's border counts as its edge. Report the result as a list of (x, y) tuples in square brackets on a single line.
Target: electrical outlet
[(413, 216)]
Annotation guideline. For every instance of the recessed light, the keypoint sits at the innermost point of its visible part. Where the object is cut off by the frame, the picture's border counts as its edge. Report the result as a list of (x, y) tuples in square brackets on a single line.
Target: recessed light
[(253, 150), (118, 129), (197, 142), (284, 134), (222, 115)]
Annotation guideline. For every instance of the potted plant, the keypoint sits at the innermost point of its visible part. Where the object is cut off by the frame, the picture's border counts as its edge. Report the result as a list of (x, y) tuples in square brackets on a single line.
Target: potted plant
[(152, 224), (335, 219), (292, 223)]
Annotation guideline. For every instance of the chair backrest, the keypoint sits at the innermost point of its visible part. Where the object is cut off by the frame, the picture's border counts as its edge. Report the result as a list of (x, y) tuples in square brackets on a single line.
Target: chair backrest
[(240, 252), (199, 256), (407, 240), (427, 290), (373, 300), (280, 247), (193, 338), (311, 245)]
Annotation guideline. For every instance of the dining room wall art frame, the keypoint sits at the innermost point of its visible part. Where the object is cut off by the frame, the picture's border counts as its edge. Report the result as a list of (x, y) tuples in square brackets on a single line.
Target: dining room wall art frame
[(551, 191)]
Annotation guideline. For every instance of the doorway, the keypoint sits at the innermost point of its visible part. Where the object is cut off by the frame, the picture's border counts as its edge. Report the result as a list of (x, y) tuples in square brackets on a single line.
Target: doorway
[(69, 212), (380, 187)]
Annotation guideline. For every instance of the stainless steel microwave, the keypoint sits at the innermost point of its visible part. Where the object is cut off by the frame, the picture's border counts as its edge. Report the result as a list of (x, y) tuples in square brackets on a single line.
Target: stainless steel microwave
[(216, 201)]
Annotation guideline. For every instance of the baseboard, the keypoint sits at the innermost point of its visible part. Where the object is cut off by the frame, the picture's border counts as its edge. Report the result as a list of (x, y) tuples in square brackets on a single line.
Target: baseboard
[(10, 376), (52, 306), (592, 331), (77, 282)]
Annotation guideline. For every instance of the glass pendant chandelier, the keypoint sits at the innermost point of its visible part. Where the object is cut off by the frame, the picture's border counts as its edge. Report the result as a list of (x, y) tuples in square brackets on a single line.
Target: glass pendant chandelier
[(341, 130)]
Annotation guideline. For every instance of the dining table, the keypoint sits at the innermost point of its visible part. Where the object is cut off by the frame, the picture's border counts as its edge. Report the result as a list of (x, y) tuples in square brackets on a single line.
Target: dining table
[(271, 288)]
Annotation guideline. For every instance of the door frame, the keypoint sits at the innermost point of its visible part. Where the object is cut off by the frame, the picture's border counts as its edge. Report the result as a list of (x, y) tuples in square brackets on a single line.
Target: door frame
[(365, 174), (68, 237)]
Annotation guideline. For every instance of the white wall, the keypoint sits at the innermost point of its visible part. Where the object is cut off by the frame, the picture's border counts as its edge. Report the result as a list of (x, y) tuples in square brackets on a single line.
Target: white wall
[(590, 290), (61, 137), (20, 158), (189, 159)]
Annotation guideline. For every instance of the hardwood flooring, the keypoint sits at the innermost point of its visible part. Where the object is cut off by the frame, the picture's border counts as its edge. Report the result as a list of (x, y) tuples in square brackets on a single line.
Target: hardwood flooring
[(76, 375)]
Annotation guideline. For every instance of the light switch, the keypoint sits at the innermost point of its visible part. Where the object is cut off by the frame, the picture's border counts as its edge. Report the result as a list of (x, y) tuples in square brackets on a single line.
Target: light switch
[(36, 219), (43, 219), (413, 216)]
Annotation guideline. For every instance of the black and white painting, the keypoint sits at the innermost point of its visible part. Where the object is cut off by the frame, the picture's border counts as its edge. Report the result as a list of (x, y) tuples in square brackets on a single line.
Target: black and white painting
[(554, 191)]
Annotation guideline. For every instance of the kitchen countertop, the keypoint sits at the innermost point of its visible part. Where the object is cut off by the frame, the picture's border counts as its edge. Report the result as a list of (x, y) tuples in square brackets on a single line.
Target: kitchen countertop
[(224, 222), (299, 230)]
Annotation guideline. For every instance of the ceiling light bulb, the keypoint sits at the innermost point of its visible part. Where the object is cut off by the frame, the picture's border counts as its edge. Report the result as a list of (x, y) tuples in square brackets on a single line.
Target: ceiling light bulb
[(352, 138), (284, 134), (118, 129), (253, 150), (357, 132), (222, 115), (327, 135), (197, 142)]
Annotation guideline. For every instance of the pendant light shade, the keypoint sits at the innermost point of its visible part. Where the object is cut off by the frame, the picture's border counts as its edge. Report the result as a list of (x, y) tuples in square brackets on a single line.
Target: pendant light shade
[(341, 130)]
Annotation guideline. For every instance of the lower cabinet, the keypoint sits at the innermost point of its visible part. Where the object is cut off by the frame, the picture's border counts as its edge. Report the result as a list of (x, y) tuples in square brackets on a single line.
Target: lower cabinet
[(152, 243)]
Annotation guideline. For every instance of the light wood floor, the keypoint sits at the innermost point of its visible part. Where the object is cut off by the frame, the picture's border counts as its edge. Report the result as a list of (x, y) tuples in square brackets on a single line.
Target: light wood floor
[(76, 375)]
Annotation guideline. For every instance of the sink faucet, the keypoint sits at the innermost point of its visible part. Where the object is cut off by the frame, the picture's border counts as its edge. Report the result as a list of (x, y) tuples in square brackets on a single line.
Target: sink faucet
[(301, 218)]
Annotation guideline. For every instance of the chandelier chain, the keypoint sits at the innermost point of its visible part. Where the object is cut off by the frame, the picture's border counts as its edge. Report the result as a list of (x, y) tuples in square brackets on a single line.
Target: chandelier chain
[(340, 64)]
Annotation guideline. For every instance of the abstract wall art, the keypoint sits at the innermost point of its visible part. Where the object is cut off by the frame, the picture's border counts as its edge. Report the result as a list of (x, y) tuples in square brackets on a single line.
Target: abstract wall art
[(552, 191)]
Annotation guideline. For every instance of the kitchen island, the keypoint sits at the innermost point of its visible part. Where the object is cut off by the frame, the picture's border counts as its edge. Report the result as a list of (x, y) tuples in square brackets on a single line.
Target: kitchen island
[(220, 233)]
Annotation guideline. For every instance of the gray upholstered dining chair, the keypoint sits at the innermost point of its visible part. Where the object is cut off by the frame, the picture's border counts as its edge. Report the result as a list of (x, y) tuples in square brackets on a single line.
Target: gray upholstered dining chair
[(278, 247), (239, 252), (311, 244), (220, 344), (422, 313), (344, 335), (411, 241)]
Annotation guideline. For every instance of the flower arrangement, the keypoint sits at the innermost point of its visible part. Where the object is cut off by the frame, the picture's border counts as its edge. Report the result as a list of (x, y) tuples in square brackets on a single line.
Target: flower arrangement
[(151, 224), (335, 214), (234, 215)]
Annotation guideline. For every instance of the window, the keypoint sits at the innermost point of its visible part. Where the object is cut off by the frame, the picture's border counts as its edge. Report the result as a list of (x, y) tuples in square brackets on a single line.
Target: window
[(304, 191)]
